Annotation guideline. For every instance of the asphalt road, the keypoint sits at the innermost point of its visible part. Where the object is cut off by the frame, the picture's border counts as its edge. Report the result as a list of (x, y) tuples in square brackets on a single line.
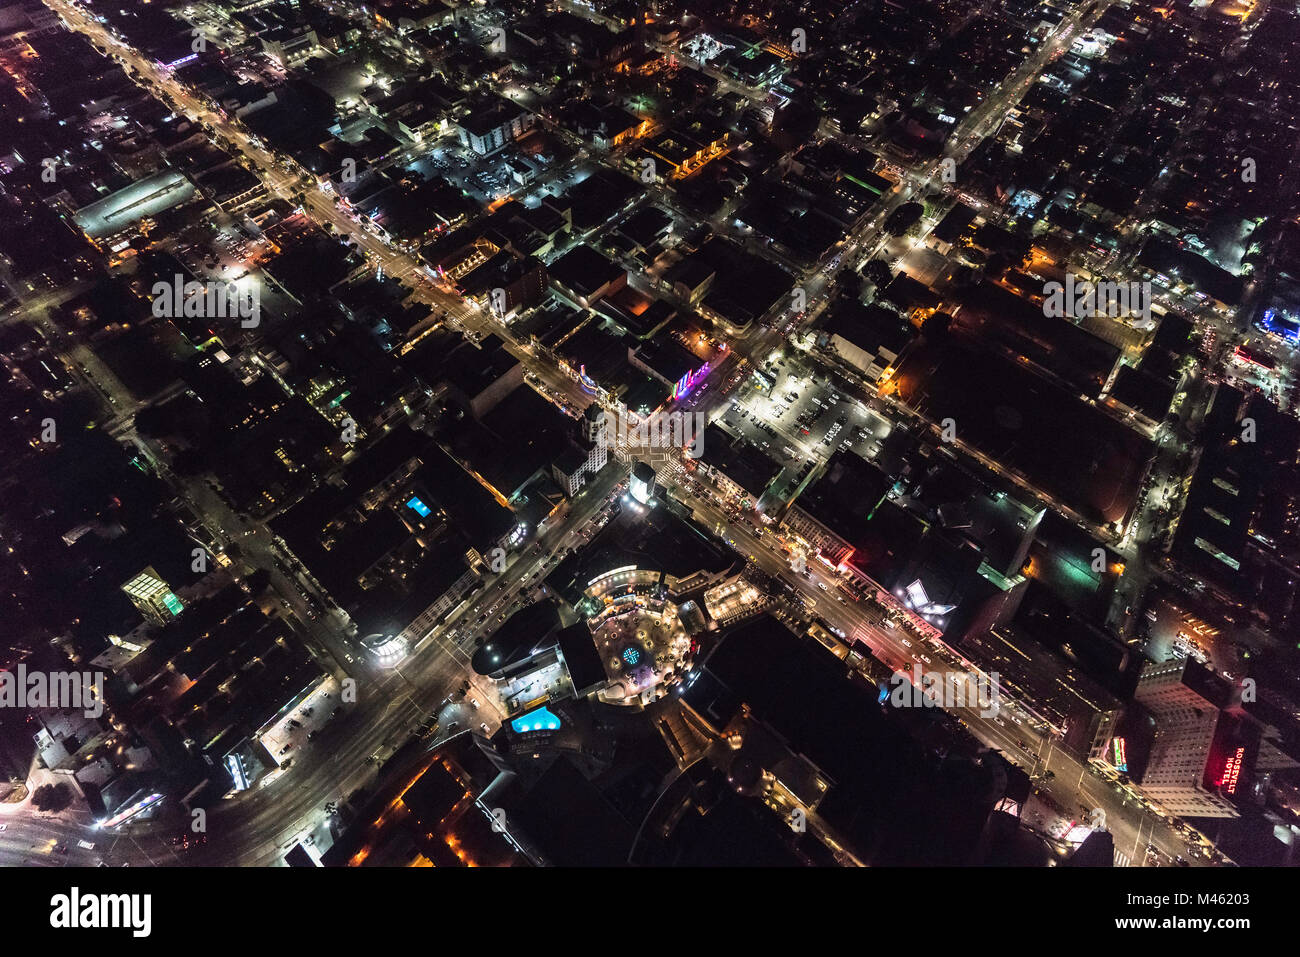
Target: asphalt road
[(257, 827), (1075, 784)]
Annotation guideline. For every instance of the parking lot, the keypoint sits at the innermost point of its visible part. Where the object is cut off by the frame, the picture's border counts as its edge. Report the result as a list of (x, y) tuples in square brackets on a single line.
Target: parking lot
[(294, 729), (491, 178), (803, 419)]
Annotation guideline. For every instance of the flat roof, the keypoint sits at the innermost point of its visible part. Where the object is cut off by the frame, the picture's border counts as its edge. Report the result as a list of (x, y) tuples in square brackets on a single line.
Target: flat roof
[(578, 647), (146, 197), (1030, 425), (846, 496), (740, 460), (869, 327), (573, 824), (584, 270)]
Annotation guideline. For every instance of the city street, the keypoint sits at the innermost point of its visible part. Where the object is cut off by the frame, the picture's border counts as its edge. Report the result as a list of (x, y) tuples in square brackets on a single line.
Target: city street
[(796, 422), (1074, 785)]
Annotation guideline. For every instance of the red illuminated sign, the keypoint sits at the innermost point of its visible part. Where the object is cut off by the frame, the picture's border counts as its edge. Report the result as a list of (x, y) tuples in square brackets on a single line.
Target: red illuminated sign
[(1231, 770)]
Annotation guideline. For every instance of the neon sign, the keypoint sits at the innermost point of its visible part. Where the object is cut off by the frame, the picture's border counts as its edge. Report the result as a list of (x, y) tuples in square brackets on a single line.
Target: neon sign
[(1231, 771), (689, 381), (1121, 755)]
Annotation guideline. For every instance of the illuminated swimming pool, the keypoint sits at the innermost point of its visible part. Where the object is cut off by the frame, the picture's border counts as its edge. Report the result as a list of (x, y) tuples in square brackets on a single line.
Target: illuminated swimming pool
[(538, 720), (418, 507)]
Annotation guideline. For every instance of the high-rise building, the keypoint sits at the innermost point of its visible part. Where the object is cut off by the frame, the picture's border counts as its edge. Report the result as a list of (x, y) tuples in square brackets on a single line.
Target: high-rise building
[(153, 596), (587, 453), (1185, 769)]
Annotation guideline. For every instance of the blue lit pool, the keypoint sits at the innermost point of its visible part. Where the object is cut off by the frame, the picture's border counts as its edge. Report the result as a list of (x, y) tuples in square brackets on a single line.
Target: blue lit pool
[(418, 507), (539, 720)]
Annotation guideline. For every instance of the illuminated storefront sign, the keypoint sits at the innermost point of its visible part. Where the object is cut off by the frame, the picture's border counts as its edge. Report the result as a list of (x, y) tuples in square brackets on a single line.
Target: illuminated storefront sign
[(689, 381), (236, 768), (1121, 755), (130, 812), (1247, 356)]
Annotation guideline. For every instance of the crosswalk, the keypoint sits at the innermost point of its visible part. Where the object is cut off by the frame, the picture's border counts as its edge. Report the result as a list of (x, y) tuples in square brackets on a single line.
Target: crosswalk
[(1122, 859)]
